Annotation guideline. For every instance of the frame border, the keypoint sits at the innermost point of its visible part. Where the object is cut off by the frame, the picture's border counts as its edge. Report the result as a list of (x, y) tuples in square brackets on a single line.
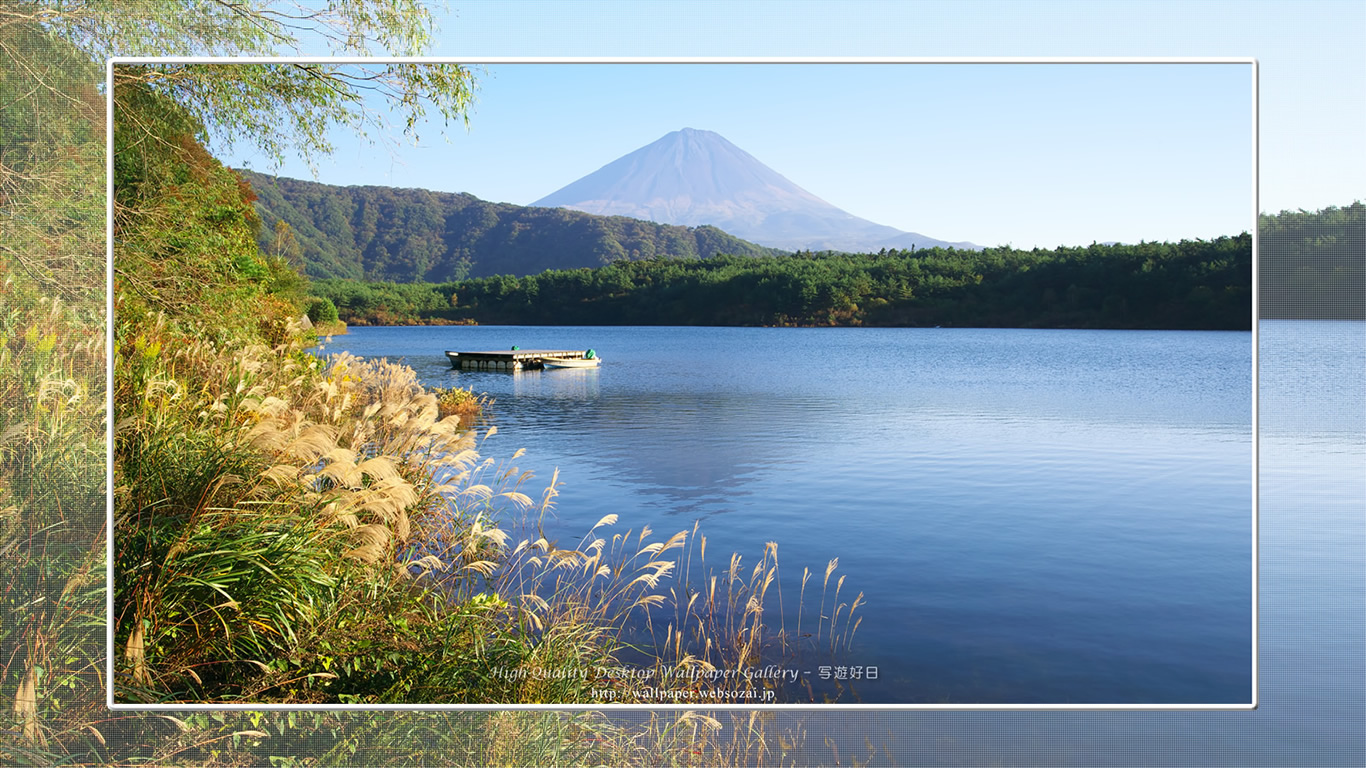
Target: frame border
[(111, 660)]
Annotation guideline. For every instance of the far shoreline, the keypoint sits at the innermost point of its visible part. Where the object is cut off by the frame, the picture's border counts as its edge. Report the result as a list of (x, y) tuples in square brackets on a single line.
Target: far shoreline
[(442, 322)]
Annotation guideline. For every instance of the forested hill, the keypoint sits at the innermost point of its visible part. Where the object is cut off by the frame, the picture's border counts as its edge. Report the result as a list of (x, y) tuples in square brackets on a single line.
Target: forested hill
[(410, 235), (1314, 264), (1187, 285)]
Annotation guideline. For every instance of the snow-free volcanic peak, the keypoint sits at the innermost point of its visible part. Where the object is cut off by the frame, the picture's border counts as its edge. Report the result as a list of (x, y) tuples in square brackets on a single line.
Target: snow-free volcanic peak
[(695, 177)]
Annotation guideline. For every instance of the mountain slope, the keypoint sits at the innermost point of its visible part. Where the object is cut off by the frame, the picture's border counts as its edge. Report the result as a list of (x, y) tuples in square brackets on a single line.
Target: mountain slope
[(410, 235), (693, 177)]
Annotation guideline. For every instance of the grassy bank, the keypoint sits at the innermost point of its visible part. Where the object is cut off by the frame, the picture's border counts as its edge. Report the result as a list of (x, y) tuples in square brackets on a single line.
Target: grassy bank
[(292, 530), (289, 529)]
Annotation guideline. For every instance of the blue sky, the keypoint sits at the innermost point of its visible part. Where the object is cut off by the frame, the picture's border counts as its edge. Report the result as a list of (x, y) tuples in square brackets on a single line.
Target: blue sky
[(1029, 154), (1022, 154)]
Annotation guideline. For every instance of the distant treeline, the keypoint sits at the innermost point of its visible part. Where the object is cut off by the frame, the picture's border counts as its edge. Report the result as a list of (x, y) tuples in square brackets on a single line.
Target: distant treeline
[(1313, 264), (1191, 284), (412, 235)]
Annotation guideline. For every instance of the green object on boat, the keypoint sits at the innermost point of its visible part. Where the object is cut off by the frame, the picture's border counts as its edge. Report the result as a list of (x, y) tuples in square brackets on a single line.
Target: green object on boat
[(589, 355), (515, 347)]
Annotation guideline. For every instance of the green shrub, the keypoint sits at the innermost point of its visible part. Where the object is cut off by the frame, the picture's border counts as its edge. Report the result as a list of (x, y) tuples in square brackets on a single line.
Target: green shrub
[(321, 310)]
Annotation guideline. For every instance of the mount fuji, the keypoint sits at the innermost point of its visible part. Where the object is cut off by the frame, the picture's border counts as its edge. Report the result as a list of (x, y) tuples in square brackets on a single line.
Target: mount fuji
[(693, 177)]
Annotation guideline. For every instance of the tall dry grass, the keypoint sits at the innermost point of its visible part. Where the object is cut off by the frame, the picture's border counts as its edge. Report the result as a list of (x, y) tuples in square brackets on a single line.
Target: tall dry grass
[(252, 488), (291, 528), (643, 610), (51, 462)]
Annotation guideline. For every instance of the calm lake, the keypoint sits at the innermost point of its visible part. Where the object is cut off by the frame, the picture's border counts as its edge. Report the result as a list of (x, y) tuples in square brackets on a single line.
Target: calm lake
[(1033, 516)]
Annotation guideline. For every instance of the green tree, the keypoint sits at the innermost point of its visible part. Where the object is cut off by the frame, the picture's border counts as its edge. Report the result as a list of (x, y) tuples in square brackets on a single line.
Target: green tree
[(285, 246), (322, 310), (278, 109)]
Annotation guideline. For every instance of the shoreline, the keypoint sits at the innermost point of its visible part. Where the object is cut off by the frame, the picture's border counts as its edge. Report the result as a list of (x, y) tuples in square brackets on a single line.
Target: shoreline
[(440, 323)]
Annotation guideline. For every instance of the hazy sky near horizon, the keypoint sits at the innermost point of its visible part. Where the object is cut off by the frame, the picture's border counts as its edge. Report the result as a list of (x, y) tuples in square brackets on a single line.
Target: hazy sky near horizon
[(1031, 155)]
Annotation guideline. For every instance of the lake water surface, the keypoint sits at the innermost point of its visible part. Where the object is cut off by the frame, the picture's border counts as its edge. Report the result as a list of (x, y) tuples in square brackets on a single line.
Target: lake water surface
[(1032, 515)]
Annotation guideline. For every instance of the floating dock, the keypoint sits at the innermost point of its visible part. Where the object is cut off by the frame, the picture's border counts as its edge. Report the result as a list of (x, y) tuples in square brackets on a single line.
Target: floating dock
[(511, 359)]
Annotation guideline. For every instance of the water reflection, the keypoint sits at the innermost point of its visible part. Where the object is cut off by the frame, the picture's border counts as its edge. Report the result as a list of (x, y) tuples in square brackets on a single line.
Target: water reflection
[(560, 384), (1032, 515)]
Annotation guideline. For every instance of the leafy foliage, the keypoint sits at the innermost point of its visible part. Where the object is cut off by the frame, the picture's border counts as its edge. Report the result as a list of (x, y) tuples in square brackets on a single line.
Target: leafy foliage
[(277, 109), (410, 235), (187, 231), (1191, 284)]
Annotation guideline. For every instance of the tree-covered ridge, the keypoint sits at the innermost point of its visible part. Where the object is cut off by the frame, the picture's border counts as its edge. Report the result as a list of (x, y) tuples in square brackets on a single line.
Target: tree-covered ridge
[(1313, 264), (1188, 285), (413, 235)]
